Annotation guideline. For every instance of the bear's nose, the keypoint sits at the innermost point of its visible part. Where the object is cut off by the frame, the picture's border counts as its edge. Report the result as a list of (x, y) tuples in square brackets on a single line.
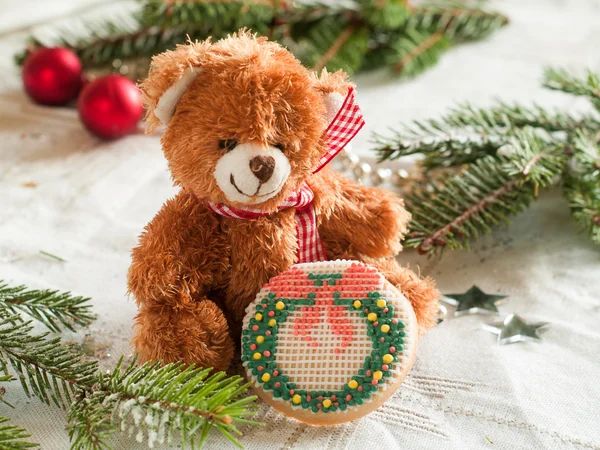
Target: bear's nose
[(262, 167)]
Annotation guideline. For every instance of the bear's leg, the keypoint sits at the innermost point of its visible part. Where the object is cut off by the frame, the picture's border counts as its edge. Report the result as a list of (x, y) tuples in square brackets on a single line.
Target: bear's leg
[(420, 292), (195, 332)]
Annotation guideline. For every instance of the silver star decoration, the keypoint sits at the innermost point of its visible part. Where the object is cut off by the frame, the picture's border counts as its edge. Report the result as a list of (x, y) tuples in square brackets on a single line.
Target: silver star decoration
[(474, 301), (514, 329)]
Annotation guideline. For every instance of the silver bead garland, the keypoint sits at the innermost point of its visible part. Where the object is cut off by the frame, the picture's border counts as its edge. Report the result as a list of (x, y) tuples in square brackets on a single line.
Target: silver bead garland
[(351, 164)]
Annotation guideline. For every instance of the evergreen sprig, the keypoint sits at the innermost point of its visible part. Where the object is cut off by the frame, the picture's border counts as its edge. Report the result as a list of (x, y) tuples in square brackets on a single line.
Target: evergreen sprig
[(12, 437), (46, 368), (357, 34), (448, 214), (562, 80), (416, 51), (504, 155), (581, 180), (52, 308), (457, 21), (153, 402), (438, 141)]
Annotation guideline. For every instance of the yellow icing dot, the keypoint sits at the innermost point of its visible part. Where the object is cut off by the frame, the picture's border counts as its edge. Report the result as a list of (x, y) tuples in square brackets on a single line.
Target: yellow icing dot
[(377, 375), (326, 403), (257, 356), (387, 358), (296, 399), (279, 305), (357, 304), (260, 339), (372, 317), (266, 377), (381, 303), (272, 322), (258, 316), (352, 384), (385, 328)]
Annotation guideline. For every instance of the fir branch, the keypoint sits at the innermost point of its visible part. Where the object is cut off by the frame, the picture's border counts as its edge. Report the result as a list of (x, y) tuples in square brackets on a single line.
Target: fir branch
[(13, 437), (384, 14), (503, 117), (585, 163), (223, 16), (439, 151), (52, 308), (334, 43), (154, 402), (3, 379), (463, 207), (584, 201), (581, 182), (442, 143), (455, 20), (562, 80), (100, 50), (510, 151), (151, 400), (356, 34), (157, 27), (466, 133), (334, 48), (46, 368), (416, 51)]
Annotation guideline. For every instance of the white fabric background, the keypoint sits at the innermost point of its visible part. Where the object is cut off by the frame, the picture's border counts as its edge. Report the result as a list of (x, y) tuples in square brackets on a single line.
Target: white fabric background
[(93, 198)]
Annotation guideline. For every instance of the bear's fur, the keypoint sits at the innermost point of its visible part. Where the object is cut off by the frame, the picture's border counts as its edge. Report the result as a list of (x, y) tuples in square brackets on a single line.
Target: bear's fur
[(194, 272)]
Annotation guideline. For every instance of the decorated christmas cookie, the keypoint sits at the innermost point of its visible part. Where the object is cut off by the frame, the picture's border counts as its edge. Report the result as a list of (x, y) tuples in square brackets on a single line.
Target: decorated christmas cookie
[(328, 342)]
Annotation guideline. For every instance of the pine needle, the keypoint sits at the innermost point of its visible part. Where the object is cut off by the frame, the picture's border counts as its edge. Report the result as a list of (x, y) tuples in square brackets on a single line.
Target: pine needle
[(50, 255)]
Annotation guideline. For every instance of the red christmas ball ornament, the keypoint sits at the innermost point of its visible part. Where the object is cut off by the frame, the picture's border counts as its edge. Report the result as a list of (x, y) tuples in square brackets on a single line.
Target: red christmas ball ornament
[(52, 76), (111, 106)]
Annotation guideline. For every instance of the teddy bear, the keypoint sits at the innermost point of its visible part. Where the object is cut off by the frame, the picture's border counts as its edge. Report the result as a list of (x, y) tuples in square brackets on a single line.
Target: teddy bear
[(244, 128)]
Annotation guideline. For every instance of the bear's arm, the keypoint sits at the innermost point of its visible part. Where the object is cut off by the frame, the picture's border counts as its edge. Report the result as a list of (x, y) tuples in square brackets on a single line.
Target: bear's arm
[(355, 219), (178, 253), (178, 259)]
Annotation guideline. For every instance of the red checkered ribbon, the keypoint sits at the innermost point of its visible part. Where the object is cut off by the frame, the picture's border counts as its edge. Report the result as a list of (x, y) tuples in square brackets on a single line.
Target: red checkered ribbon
[(342, 129)]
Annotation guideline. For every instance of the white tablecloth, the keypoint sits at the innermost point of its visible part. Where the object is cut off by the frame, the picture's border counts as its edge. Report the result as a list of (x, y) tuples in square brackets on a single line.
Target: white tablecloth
[(67, 193)]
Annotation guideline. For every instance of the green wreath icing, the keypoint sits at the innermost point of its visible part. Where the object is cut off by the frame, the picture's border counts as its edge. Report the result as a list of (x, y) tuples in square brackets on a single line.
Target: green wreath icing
[(259, 347)]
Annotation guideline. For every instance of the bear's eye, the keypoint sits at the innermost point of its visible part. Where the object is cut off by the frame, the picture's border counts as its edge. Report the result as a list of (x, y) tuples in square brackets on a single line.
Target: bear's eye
[(227, 144), (279, 146)]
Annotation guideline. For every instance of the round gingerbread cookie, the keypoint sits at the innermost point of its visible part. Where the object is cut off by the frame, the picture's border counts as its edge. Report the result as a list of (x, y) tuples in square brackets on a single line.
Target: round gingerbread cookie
[(328, 342)]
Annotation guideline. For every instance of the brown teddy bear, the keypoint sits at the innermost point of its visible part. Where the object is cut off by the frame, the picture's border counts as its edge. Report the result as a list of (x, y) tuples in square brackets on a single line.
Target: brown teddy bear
[(245, 125)]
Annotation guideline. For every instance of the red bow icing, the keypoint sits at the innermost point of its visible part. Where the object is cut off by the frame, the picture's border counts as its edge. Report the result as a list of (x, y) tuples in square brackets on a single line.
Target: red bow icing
[(347, 122)]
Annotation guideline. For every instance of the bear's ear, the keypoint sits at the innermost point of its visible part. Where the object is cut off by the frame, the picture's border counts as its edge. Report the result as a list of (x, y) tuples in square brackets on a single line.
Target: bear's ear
[(171, 73), (334, 88), (169, 99)]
